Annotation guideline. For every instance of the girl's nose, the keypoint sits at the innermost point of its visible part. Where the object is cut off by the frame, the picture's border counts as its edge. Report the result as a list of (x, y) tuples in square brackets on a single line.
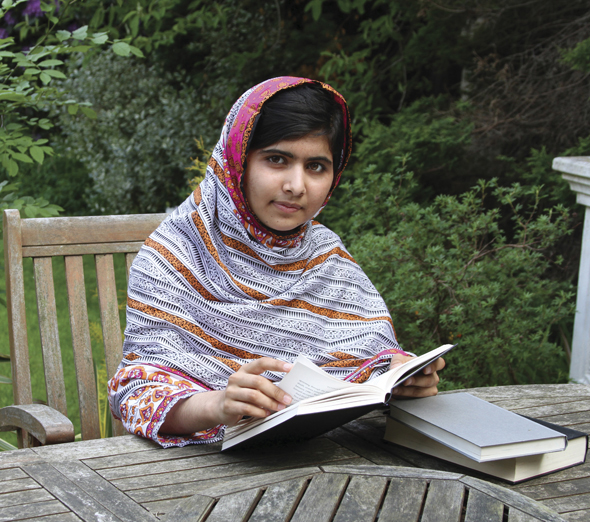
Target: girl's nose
[(295, 181)]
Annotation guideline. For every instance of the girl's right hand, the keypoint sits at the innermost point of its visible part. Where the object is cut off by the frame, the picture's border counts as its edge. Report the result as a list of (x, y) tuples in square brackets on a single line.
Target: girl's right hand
[(250, 394)]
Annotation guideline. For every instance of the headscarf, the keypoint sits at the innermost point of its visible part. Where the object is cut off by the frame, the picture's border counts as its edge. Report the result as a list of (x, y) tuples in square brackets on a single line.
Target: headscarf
[(213, 289)]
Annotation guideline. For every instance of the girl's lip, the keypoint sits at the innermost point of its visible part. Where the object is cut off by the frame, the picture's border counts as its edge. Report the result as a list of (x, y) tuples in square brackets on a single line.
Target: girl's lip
[(285, 206)]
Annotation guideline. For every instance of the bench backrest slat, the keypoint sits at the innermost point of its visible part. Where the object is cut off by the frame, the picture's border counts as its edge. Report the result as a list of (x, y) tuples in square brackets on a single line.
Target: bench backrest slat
[(15, 302), (109, 316), (46, 309), (82, 348)]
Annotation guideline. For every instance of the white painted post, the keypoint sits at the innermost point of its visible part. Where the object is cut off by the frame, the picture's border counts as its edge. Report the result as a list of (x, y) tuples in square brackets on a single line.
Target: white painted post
[(576, 171)]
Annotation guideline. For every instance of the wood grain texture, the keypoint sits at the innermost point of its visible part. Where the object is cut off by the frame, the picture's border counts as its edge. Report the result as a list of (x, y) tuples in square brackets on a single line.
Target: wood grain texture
[(84, 230), (15, 304), (129, 258), (514, 515), (39, 509), (444, 501), (321, 499), (111, 325), (79, 250), (44, 423), (195, 509), (483, 508), (279, 501), (362, 499), (82, 348), (103, 491), (70, 494), (236, 507), (403, 501), (47, 312)]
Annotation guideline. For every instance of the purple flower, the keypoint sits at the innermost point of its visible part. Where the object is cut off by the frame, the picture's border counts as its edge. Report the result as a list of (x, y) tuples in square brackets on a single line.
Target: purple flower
[(3, 33), (33, 9), (9, 18), (73, 26)]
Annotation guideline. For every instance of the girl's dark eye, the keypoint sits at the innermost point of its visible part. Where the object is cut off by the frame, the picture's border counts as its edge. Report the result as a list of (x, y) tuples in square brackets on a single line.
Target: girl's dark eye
[(276, 159), (316, 167)]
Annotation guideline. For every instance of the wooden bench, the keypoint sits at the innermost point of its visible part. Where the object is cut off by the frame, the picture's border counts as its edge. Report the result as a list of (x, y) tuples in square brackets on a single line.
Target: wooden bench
[(71, 237)]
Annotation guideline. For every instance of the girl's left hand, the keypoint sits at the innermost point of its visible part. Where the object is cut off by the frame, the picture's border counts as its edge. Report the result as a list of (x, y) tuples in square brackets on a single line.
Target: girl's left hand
[(423, 384)]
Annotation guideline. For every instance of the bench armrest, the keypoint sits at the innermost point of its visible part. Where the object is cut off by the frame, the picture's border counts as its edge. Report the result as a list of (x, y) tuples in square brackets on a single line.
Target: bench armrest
[(44, 423)]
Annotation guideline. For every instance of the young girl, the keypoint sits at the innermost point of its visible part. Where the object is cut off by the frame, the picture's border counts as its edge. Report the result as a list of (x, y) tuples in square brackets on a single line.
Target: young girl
[(240, 279)]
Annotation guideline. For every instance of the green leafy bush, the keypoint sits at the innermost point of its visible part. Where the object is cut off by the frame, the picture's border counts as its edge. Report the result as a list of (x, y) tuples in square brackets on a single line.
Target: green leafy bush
[(450, 273), (138, 148)]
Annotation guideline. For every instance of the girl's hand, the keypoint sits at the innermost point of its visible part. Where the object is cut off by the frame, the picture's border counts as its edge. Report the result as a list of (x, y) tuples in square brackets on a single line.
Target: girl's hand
[(423, 384), (248, 393)]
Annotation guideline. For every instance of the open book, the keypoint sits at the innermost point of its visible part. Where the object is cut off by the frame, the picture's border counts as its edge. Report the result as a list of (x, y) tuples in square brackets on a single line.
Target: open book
[(322, 402)]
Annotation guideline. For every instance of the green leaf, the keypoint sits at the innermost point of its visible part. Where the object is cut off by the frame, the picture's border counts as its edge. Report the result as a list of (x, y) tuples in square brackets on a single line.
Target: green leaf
[(50, 63), (53, 19), (99, 38), (45, 78), (121, 48), (11, 96), (90, 113), (21, 157), (73, 109), (136, 51), (54, 74), (81, 33), (63, 35), (6, 54), (37, 154), (7, 3), (12, 168), (31, 211), (45, 124)]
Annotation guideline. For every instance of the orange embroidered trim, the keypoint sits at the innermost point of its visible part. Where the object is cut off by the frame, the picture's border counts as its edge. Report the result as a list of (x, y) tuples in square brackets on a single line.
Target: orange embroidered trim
[(298, 303), (189, 327), (186, 273), (255, 294), (197, 195)]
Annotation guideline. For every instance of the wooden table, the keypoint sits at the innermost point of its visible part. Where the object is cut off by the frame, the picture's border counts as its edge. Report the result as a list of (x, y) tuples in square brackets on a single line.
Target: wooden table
[(348, 474)]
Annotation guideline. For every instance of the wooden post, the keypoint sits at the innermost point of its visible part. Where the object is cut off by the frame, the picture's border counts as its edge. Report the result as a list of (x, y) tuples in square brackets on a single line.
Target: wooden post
[(576, 170)]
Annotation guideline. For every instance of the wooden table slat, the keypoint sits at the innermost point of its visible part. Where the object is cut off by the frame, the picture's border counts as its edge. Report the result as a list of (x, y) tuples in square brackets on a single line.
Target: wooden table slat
[(514, 515), (69, 493), (321, 499), (38, 509), (236, 507), (483, 508), (279, 501), (444, 501), (193, 508), (22, 498), (362, 499), (403, 501)]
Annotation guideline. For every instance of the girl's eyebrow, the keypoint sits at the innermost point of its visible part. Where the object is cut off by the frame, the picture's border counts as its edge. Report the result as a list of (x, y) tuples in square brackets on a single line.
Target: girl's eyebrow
[(290, 155)]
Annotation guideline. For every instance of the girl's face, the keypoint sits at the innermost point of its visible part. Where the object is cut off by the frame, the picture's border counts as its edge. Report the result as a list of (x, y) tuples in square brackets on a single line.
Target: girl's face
[(287, 183)]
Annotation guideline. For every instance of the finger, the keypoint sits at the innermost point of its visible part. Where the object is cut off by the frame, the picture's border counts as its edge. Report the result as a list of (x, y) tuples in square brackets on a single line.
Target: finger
[(266, 364), (414, 391), (422, 381), (255, 389), (398, 359), (435, 366)]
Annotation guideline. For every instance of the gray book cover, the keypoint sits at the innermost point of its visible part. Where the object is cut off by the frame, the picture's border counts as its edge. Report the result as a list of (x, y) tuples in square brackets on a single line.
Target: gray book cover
[(472, 419)]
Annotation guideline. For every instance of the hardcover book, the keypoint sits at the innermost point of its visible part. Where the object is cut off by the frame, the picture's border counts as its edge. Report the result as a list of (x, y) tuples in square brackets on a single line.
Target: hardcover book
[(322, 402), (475, 428), (513, 470)]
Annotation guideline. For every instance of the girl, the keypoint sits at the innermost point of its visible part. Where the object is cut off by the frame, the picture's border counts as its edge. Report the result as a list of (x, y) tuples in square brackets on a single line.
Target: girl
[(240, 279)]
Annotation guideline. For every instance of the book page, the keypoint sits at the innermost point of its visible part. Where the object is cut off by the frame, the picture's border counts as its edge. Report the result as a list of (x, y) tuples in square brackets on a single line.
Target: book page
[(306, 380)]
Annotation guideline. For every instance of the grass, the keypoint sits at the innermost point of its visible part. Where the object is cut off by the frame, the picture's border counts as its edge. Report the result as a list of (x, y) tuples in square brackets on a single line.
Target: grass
[(35, 353)]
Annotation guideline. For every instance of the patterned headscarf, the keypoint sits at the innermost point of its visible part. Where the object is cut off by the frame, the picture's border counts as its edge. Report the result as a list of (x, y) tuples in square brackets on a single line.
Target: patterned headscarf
[(212, 289), (234, 142)]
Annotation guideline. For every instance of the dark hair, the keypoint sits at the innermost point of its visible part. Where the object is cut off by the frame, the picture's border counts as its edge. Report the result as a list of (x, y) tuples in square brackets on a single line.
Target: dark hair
[(296, 112)]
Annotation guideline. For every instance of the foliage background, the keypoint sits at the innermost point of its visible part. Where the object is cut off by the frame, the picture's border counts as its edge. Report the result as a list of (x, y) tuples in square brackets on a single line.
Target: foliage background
[(459, 107)]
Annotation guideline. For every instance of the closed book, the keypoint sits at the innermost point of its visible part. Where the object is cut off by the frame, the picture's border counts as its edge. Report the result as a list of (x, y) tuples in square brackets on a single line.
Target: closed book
[(513, 470), (478, 429)]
